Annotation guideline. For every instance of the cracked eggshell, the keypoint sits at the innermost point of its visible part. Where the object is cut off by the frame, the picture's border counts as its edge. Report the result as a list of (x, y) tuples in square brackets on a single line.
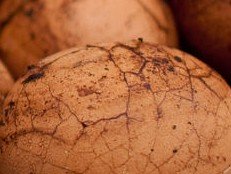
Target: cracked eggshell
[(6, 82), (206, 27), (32, 30), (117, 108)]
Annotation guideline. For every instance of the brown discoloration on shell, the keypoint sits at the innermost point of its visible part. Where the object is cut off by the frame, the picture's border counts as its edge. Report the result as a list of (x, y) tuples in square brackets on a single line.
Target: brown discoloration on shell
[(35, 29), (86, 91), (104, 117), (206, 27), (33, 77)]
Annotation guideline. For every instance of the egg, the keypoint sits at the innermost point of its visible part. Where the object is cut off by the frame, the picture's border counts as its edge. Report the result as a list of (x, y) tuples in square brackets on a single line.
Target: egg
[(31, 30), (121, 107), (6, 82), (206, 28)]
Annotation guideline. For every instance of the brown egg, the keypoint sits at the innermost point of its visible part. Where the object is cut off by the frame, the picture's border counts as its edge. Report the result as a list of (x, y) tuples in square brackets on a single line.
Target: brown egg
[(34, 29), (6, 82), (132, 108), (206, 27)]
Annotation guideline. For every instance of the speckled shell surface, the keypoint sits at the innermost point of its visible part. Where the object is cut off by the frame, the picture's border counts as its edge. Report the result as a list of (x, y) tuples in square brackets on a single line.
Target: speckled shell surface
[(117, 108)]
